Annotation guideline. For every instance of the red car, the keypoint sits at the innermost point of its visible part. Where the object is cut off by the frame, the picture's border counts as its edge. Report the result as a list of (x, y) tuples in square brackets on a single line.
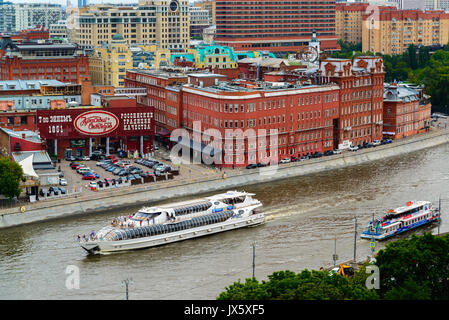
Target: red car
[(74, 165), (89, 177)]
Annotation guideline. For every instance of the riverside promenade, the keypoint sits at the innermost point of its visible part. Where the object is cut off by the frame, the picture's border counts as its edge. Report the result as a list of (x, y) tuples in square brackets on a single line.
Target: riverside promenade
[(203, 179)]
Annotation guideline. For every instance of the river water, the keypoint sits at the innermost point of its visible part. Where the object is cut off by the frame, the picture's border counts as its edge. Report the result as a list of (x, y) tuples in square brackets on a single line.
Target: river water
[(305, 215)]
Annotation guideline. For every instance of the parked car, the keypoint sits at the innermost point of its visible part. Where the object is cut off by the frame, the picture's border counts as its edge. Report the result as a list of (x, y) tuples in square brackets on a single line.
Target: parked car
[(96, 175), (353, 148), (376, 143), (317, 155), (251, 166), (294, 159), (62, 190), (261, 164), (386, 141), (286, 160), (122, 154), (73, 165), (55, 190), (70, 158), (44, 192), (85, 158), (62, 181), (89, 177), (329, 153), (93, 184), (337, 151)]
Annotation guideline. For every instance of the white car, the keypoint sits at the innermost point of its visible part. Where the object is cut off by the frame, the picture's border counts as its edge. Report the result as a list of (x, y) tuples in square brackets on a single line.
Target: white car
[(353, 148), (376, 143), (337, 151), (62, 181), (286, 160), (93, 184), (85, 158)]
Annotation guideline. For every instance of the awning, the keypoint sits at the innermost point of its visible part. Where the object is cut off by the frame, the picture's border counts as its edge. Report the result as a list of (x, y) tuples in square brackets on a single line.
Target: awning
[(389, 133), (163, 132), (195, 146), (27, 166)]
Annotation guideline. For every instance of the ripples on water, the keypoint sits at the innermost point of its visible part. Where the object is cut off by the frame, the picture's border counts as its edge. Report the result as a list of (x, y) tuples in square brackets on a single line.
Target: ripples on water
[(305, 214)]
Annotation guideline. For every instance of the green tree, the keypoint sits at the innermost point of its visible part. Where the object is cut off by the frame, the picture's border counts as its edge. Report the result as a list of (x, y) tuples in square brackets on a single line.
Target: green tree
[(423, 57), (306, 285), (421, 262), (11, 173)]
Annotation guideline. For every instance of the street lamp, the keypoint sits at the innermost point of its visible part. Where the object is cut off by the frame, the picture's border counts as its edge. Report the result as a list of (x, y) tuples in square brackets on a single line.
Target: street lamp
[(125, 283)]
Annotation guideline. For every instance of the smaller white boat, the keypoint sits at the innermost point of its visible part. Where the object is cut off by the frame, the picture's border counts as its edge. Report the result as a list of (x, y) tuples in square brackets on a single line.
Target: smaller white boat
[(413, 215), (155, 226)]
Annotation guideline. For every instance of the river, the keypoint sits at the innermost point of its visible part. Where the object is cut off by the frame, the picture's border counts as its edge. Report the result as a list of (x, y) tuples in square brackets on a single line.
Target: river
[(305, 215)]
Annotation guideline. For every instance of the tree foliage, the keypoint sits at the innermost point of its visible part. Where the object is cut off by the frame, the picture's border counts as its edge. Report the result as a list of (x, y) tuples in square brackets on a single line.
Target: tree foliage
[(410, 269), (417, 267), (306, 285), (415, 65), (11, 173)]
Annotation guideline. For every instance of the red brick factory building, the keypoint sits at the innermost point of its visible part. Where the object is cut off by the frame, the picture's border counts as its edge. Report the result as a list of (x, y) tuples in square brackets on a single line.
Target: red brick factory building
[(79, 131), (341, 104)]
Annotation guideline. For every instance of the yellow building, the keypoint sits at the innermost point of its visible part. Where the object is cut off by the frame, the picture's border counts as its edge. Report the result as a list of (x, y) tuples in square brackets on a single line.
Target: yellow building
[(392, 31), (162, 22), (108, 64), (348, 21), (150, 56), (209, 5)]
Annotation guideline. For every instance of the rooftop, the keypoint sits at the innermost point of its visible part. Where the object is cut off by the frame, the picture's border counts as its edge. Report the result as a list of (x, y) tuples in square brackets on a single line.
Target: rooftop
[(8, 85)]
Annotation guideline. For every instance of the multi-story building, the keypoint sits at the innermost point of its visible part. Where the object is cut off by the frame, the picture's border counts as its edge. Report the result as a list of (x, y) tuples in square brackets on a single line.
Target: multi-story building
[(334, 106), (287, 121), (46, 60), (209, 5), (285, 26), (163, 93), (392, 31), (7, 17), (406, 111), (349, 19), (360, 84), (25, 95), (162, 22), (209, 34), (199, 20), (59, 30), (21, 16), (108, 64)]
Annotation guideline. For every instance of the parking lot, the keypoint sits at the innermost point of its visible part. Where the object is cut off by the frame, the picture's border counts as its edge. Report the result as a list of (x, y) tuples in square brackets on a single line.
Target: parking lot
[(75, 181)]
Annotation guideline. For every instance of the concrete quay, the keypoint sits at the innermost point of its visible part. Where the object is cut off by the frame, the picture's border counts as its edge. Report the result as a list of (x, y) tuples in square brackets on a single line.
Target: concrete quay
[(210, 181)]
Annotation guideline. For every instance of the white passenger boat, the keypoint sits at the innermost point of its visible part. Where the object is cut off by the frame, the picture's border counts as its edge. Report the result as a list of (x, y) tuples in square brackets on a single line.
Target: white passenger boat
[(155, 226), (413, 215)]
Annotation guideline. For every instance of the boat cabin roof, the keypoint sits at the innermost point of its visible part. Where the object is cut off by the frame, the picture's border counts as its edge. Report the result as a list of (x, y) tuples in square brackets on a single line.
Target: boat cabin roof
[(409, 206), (165, 207)]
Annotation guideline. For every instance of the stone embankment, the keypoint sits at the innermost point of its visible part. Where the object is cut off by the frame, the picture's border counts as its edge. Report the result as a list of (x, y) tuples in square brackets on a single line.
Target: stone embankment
[(146, 194)]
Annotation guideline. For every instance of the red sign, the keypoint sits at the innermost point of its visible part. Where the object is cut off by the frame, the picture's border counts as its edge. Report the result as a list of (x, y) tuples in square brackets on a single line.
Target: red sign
[(76, 123), (96, 122)]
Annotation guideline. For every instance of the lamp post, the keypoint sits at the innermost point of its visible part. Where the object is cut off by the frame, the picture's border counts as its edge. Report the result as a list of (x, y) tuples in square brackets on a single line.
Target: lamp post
[(125, 283)]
